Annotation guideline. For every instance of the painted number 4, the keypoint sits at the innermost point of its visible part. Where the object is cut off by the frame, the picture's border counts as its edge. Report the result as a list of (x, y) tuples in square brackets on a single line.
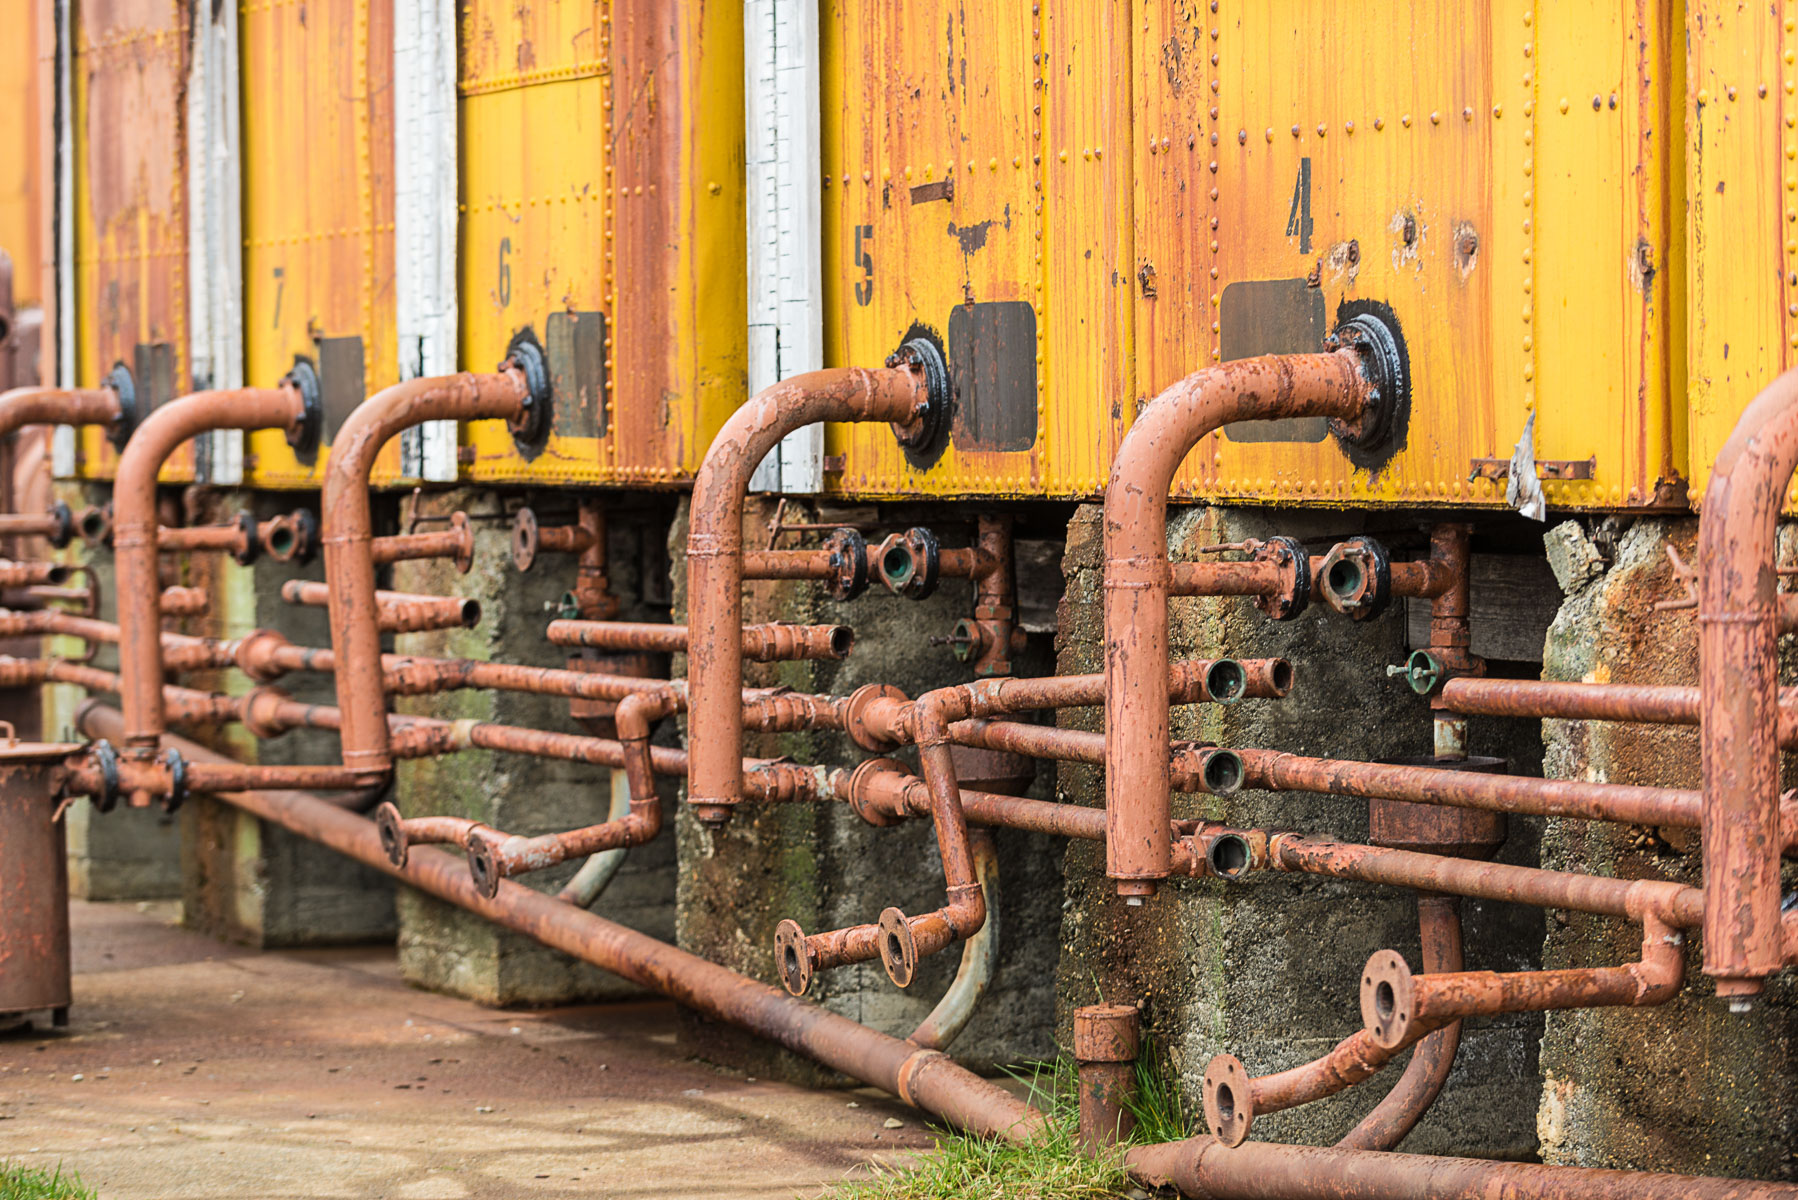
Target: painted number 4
[(1298, 221)]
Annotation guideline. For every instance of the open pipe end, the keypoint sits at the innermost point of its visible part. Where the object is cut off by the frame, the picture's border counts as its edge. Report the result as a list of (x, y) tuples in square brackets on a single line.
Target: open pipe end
[(392, 829), (1229, 1100), (898, 948), (793, 957), (94, 524), (842, 641), (1280, 677), (1226, 681), (1229, 856), (471, 613), (1388, 1004), (1222, 772), (57, 574), (481, 867)]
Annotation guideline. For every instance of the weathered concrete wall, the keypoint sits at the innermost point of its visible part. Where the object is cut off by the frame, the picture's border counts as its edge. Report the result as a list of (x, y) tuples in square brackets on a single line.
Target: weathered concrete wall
[(444, 948), (242, 878), (1687, 1086), (824, 867), (129, 853), (1268, 969)]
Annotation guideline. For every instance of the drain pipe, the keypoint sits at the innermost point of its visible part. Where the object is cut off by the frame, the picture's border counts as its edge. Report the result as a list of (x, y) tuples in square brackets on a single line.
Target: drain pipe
[(913, 394), (1359, 386), (135, 526), (518, 392), (1738, 685)]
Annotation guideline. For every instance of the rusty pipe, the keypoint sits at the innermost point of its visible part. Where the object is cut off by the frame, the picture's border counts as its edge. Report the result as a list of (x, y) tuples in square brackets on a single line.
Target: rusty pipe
[(979, 959), (349, 533), (455, 543), (399, 834), (32, 574), (1137, 797), (1738, 634), (715, 548), (1106, 1043), (491, 859), (1656, 704), (923, 1078), (1399, 1110), (395, 612), (778, 642), (57, 525), (1204, 1167), (135, 531), (184, 602), (236, 538), (63, 406), (1233, 1099)]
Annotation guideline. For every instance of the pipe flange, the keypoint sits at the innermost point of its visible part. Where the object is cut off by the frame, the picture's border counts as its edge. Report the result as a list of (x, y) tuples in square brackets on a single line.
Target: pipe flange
[(898, 948), (530, 426), (94, 524), (1294, 596), (177, 780), (910, 563), (858, 800), (482, 868), (855, 716), (125, 388), (848, 551), (1356, 576), (527, 538), (252, 544), (305, 434), (792, 957), (1388, 1003), (464, 559), (64, 532), (107, 760), (392, 829), (1229, 1100), (928, 423), (302, 527), (1385, 366), (258, 712)]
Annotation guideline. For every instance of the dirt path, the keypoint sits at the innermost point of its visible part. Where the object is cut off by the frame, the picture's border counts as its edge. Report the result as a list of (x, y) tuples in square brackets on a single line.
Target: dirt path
[(193, 1069)]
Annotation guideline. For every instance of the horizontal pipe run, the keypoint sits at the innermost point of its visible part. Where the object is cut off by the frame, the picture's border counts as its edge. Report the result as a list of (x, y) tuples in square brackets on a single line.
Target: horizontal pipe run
[(761, 643), (396, 612), (229, 539), (1203, 1167), (455, 542), (184, 602), (50, 524), (1679, 906), (30, 574), (923, 1078), (1547, 699)]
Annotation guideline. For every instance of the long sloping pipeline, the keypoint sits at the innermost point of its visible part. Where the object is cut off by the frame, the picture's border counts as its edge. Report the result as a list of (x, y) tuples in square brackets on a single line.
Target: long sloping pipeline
[(715, 550), (1738, 685), (926, 1079), (349, 532), (135, 529), (1138, 852)]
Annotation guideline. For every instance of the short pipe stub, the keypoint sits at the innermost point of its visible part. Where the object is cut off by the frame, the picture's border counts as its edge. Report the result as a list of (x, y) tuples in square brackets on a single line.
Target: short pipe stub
[(1229, 1098), (1225, 681), (792, 957), (1229, 856)]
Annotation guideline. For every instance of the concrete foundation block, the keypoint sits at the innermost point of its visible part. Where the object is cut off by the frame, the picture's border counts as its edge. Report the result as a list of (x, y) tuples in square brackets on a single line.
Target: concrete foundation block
[(443, 948), (1268, 969), (1687, 1086), (825, 868)]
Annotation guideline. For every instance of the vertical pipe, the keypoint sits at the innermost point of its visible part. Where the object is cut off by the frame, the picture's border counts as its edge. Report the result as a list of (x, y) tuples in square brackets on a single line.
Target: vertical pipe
[(1106, 1042)]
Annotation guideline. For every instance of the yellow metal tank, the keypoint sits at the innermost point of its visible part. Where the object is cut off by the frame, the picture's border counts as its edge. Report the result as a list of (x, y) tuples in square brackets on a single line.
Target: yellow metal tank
[(22, 194), (318, 214), (602, 215), (1085, 204)]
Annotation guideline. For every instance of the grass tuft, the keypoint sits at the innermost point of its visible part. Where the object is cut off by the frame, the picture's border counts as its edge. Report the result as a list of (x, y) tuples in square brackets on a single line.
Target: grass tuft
[(20, 1182), (1052, 1167)]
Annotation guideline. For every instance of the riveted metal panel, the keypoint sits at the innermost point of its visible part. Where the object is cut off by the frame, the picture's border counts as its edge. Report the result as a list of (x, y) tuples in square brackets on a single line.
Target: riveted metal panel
[(129, 71), (317, 207), (615, 127), (984, 161)]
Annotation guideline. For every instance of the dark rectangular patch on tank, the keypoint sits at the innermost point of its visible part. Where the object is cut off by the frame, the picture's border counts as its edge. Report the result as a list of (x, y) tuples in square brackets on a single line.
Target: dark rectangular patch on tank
[(153, 370), (340, 382), (992, 361), (575, 344), (1272, 316)]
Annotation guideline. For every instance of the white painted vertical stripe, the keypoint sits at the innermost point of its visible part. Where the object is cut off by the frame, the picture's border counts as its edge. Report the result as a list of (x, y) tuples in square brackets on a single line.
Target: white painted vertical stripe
[(62, 441), (786, 284), (214, 227), (424, 172)]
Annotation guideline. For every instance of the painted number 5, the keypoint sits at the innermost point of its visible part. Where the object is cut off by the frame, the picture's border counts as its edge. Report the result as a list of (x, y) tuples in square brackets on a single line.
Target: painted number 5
[(864, 258)]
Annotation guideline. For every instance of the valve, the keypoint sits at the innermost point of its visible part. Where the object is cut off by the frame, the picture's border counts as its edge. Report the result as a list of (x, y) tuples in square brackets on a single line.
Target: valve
[(1423, 671)]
